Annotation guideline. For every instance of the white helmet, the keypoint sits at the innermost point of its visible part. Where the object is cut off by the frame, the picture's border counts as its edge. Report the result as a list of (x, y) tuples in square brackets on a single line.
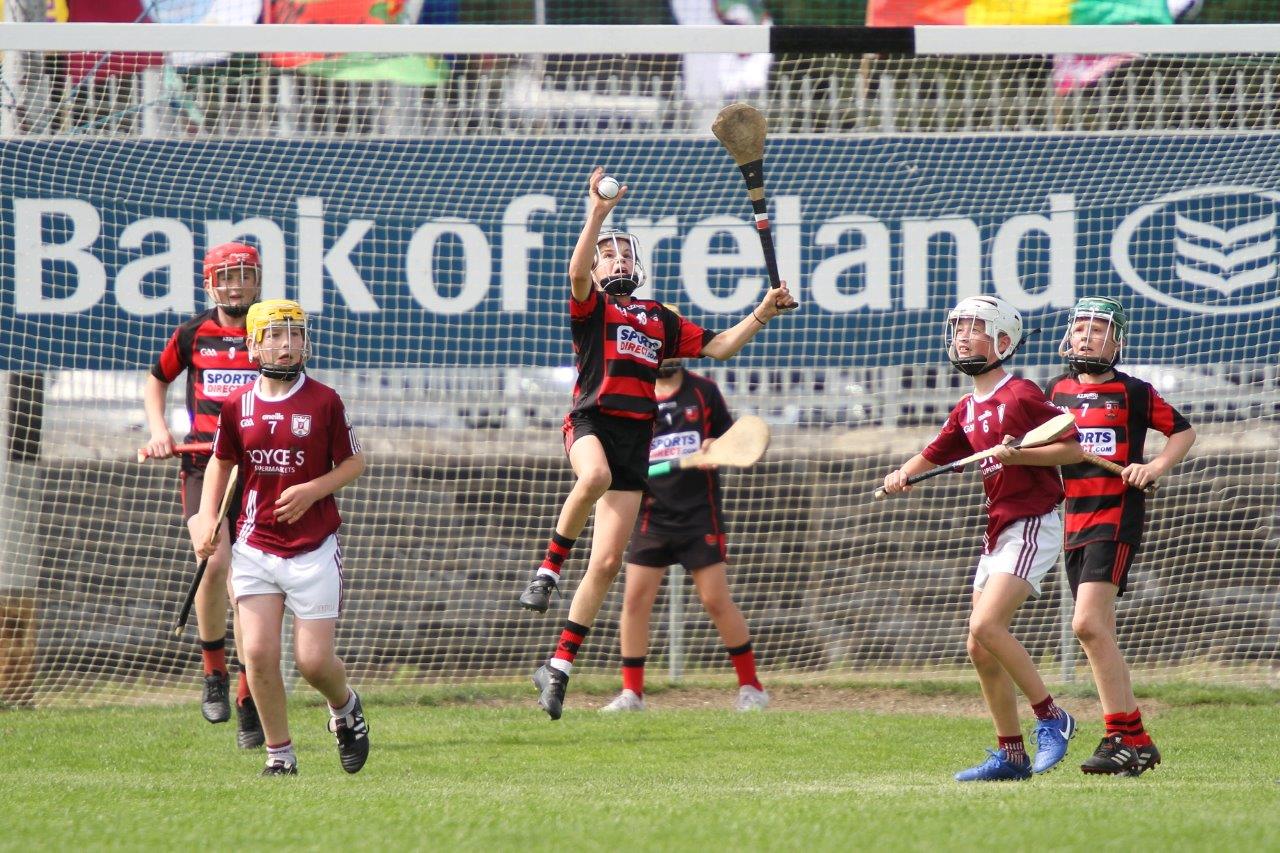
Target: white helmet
[(998, 317), (621, 284)]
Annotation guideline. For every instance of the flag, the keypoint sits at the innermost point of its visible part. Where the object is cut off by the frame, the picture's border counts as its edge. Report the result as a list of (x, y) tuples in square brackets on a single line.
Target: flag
[(906, 13), (1070, 71), (410, 70)]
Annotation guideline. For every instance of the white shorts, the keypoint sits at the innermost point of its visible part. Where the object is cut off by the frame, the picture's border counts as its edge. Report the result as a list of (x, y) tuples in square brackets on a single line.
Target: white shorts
[(1027, 549), (311, 583)]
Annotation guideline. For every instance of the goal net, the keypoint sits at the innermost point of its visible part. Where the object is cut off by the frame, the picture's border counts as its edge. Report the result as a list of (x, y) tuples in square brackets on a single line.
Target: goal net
[(422, 207)]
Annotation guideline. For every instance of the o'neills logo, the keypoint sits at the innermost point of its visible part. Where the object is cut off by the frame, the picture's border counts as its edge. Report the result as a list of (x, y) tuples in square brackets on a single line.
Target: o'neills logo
[(1211, 250), (637, 345)]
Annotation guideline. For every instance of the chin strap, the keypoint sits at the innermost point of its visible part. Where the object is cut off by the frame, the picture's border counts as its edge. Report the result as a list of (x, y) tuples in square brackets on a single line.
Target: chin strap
[(974, 367), (619, 285), (1091, 366), (281, 373)]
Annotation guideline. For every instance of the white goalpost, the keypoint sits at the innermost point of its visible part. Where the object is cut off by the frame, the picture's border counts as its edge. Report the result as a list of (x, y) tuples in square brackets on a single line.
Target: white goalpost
[(419, 194)]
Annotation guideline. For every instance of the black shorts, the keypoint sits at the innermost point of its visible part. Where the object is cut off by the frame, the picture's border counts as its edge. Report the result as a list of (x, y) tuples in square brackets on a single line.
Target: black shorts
[(626, 445), (659, 550), (193, 485), (1106, 562)]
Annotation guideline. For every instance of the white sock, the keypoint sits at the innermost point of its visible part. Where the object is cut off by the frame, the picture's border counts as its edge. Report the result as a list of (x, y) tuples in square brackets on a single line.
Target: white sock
[(545, 571), (560, 664), (282, 753), (339, 713)]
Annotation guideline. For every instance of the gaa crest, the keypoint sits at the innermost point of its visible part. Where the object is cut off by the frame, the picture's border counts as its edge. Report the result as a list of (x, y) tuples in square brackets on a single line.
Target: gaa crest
[(692, 414), (300, 425)]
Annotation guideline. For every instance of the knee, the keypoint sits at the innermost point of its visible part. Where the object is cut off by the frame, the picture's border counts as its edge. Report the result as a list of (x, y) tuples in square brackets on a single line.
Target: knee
[(977, 653), (983, 632), (606, 566), (595, 481), (312, 665), (260, 656), (636, 606), (718, 607), (1088, 629)]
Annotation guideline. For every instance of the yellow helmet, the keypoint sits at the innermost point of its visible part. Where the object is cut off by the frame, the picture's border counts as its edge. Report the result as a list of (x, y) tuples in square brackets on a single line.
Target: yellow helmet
[(277, 312)]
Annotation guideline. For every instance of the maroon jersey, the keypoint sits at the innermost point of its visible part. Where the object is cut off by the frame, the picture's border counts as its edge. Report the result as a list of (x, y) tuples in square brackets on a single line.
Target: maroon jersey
[(1014, 408), (280, 443), (217, 364), (1113, 418), (687, 502), (618, 351)]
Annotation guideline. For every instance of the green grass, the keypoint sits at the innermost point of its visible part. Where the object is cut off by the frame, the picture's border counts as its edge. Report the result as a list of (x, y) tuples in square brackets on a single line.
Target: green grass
[(445, 774)]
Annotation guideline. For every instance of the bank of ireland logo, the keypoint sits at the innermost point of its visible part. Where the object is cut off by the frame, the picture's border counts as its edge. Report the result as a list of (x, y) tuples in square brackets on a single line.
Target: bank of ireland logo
[(1209, 250)]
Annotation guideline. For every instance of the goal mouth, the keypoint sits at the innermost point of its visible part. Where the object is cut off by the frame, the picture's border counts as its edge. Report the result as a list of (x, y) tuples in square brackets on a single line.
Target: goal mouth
[(419, 191)]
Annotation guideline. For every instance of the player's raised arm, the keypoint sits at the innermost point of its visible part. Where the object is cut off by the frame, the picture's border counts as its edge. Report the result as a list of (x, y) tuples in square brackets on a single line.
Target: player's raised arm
[(728, 343), (584, 253)]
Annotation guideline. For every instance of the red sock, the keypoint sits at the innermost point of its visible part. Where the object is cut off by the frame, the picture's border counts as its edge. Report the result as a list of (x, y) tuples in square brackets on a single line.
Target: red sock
[(570, 641), (744, 662), (242, 686), (1134, 733), (214, 655), (557, 552), (1046, 709), (633, 675), (1117, 724), (1014, 749)]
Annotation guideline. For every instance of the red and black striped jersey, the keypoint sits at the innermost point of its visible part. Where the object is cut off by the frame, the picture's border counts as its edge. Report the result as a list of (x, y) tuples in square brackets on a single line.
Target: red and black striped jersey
[(1113, 418), (687, 502), (618, 350), (217, 365)]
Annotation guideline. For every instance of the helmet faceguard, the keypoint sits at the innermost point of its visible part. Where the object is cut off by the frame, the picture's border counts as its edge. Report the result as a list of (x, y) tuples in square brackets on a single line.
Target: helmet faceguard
[(278, 338), (614, 249), (1107, 327), (997, 318), (228, 267)]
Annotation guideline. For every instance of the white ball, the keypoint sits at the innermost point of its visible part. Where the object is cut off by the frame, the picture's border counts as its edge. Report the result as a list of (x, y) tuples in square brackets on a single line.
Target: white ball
[(608, 187)]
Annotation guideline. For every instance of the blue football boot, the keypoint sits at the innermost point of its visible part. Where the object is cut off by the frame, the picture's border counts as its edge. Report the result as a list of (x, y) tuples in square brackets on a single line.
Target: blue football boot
[(1052, 737), (997, 768)]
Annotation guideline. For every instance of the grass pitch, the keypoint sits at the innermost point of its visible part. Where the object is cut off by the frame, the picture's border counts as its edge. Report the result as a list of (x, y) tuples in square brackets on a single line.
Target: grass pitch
[(497, 774)]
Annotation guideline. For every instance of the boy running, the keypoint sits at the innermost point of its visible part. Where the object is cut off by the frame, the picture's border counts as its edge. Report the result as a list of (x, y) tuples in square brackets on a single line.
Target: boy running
[(1024, 532), (1106, 512), (292, 439)]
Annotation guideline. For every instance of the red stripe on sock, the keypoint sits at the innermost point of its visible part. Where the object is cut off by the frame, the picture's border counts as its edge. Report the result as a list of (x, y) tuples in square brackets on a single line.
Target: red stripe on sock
[(567, 647)]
